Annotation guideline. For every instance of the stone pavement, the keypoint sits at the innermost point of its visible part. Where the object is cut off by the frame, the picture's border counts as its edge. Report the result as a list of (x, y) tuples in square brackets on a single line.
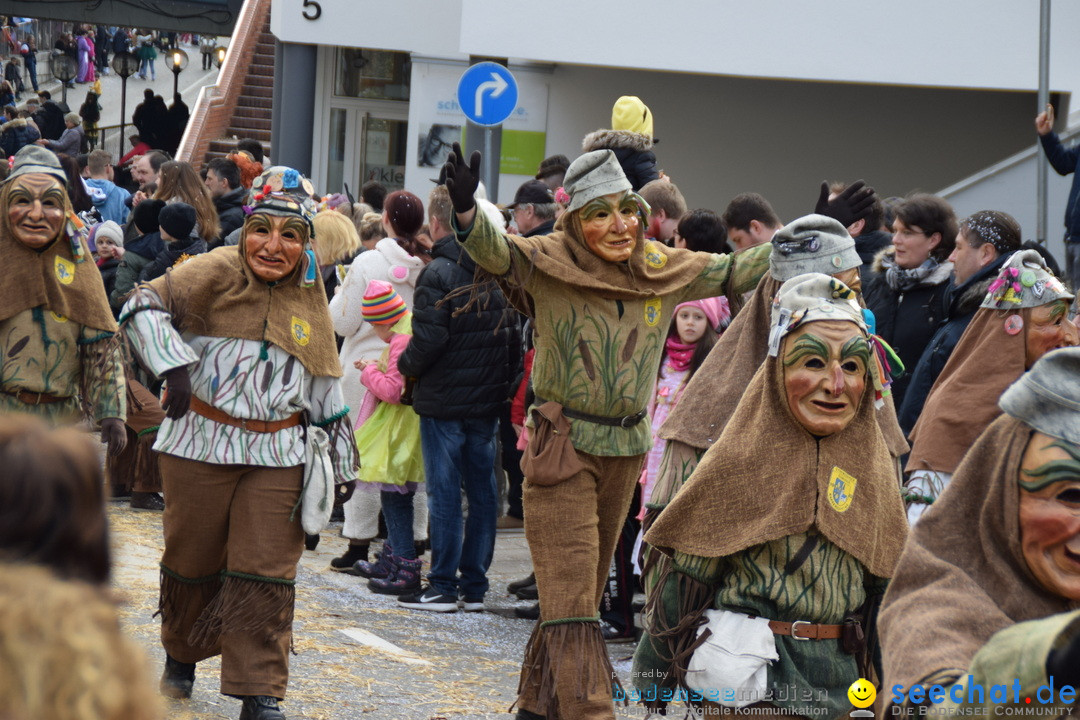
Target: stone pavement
[(357, 654)]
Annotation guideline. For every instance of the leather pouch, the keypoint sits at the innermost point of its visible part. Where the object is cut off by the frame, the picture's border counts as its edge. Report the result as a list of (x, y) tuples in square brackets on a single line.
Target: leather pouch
[(549, 458)]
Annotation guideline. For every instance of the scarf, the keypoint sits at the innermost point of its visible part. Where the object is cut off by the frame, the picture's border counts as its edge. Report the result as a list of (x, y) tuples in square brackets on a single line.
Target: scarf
[(903, 279), (216, 294), (58, 278), (768, 478), (963, 400), (963, 573), (679, 354)]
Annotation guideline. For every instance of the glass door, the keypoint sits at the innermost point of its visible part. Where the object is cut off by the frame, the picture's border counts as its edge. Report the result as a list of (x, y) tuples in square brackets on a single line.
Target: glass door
[(382, 154)]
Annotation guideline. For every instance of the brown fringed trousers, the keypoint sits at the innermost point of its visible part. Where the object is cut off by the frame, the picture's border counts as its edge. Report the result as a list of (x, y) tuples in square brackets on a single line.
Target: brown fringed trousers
[(136, 467), (227, 575), (572, 529)]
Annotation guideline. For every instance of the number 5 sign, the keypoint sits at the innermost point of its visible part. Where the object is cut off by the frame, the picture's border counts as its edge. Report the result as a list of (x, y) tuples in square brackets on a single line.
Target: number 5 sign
[(312, 10)]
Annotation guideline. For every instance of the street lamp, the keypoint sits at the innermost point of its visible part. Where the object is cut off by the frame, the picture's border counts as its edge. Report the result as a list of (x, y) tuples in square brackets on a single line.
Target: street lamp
[(219, 55), (178, 60), (63, 69), (125, 65)]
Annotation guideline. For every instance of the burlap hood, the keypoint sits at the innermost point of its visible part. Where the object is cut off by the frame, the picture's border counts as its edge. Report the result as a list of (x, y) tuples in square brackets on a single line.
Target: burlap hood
[(62, 280), (768, 477), (963, 573), (216, 294), (714, 391), (963, 400), (652, 270)]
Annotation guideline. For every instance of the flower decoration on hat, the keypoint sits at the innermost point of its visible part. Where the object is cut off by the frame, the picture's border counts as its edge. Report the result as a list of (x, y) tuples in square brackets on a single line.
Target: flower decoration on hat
[(1024, 282)]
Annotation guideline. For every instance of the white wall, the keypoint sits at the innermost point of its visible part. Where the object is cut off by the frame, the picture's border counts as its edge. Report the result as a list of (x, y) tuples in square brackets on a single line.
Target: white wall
[(722, 136)]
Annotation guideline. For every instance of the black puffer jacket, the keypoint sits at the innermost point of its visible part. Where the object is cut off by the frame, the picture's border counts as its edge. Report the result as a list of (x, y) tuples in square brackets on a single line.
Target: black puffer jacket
[(171, 255), (462, 364), (907, 320), (633, 150), (230, 209)]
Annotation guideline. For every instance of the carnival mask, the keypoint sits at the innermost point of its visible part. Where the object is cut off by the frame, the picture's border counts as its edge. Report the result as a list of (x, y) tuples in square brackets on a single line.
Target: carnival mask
[(1050, 514), (273, 244), (1049, 328), (610, 224), (36, 209), (825, 366)]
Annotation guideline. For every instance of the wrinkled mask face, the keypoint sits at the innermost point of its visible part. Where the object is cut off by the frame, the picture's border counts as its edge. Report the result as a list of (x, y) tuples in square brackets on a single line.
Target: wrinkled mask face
[(36, 209), (1050, 514), (610, 224), (273, 244), (1049, 328), (825, 366)]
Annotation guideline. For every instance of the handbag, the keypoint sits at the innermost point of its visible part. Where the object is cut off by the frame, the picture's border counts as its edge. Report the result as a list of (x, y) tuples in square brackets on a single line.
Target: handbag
[(317, 496), (549, 458), (734, 657)]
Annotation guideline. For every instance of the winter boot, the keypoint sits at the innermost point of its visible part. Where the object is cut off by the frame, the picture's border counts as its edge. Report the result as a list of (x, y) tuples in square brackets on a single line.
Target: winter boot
[(404, 579), (178, 678), (260, 707), (352, 554), (379, 569)]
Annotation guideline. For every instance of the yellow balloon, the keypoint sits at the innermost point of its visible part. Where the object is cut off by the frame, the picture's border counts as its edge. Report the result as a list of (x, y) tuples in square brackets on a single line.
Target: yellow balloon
[(862, 693)]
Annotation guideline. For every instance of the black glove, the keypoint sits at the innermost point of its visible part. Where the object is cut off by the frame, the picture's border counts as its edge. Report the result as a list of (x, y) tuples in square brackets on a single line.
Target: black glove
[(1063, 664), (461, 179), (114, 434), (343, 492), (178, 395), (853, 203)]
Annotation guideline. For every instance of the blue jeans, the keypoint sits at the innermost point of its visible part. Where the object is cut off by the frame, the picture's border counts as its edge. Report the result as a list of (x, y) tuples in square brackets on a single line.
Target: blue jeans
[(397, 509), (460, 453)]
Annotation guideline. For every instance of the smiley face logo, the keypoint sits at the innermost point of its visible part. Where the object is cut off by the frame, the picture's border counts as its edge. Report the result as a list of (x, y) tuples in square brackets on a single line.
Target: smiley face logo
[(862, 693)]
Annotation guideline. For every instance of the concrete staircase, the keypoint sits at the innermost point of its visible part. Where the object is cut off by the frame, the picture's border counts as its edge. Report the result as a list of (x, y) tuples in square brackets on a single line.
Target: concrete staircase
[(239, 105)]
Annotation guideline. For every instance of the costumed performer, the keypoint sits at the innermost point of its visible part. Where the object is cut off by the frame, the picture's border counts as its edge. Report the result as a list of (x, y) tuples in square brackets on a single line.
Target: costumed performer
[(244, 341)]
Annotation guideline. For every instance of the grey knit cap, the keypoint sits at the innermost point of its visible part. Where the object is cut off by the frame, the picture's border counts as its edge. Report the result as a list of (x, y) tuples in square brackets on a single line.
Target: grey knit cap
[(1025, 281), (1047, 397), (36, 159), (594, 175), (810, 297), (812, 244)]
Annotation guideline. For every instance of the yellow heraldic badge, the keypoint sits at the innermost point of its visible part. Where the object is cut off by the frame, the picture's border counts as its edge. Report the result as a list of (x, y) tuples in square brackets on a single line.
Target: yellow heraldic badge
[(301, 331), (841, 490), (652, 311), (65, 270), (653, 256)]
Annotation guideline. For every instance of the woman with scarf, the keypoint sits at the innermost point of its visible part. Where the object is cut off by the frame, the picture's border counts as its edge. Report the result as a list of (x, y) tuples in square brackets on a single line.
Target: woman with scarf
[(244, 341), (601, 298), (1024, 315), (777, 559), (986, 594), (908, 281)]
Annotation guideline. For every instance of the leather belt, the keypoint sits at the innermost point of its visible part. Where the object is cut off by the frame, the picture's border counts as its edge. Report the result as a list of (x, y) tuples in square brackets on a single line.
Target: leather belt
[(34, 398), (260, 426), (803, 630), (626, 421)]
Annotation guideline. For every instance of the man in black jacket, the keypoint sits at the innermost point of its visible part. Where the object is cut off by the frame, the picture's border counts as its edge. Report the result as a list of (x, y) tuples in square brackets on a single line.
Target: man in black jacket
[(223, 180), (461, 357)]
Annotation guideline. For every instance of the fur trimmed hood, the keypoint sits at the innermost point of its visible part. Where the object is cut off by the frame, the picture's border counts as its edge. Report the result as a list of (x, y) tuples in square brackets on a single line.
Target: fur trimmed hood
[(941, 273), (12, 124), (615, 140)]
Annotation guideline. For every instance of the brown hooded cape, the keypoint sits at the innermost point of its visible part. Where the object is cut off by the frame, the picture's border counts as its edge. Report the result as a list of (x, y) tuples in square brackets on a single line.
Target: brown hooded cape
[(768, 477), (54, 279), (964, 399), (714, 391), (962, 576), (216, 294)]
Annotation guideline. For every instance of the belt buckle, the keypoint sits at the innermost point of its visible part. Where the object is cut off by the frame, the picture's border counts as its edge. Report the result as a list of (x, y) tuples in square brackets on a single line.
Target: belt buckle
[(37, 400), (243, 424), (795, 625), (627, 421)]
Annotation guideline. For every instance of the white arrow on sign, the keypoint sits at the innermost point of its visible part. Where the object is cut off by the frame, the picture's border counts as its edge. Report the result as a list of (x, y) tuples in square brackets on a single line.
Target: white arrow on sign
[(497, 85)]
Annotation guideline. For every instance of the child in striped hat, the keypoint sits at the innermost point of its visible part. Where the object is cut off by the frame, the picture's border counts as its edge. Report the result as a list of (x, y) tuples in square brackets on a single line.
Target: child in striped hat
[(388, 438)]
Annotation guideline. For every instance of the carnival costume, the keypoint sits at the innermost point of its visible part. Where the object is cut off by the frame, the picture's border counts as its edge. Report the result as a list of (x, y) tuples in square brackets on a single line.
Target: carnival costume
[(263, 363), (600, 329), (779, 524)]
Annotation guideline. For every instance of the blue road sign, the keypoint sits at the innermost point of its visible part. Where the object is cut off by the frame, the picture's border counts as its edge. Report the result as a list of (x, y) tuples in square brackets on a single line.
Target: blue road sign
[(487, 93)]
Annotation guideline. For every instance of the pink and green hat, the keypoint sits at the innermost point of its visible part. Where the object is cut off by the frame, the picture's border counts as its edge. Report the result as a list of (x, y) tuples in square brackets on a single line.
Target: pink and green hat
[(381, 304)]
